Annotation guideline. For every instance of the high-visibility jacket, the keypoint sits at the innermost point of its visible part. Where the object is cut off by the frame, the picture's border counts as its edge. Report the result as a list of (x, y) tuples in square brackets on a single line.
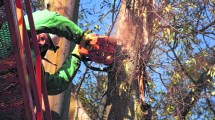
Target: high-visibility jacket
[(60, 81), (49, 22)]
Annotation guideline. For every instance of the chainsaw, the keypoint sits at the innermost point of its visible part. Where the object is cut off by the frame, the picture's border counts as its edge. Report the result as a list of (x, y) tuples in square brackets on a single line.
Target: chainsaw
[(102, 52)]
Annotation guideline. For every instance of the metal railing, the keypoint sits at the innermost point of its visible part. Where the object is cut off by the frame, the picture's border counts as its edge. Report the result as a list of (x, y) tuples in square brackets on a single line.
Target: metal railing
[(22, 54)]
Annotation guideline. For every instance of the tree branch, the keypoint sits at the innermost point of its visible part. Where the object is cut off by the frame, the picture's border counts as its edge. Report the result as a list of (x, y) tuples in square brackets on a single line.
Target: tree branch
[(210, 106), (159, 75), (193, 96), (182, 67), (102, 106), (206, 27)]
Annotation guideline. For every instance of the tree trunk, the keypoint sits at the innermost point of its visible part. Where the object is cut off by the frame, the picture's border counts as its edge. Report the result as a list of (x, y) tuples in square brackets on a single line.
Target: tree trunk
[(127, 80), (60, 104)]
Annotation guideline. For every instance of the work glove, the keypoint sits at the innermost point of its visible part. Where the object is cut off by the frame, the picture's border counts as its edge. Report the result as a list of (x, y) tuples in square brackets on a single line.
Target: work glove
[(88, 41), (76, 51)]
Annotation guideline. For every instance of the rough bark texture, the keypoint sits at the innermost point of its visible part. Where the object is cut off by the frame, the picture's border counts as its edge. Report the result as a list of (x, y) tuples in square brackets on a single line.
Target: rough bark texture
[(127, 80)]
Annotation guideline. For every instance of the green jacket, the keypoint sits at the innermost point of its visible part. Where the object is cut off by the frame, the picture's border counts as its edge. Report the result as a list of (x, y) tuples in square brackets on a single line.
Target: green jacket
[(58, 82), (51, 22)]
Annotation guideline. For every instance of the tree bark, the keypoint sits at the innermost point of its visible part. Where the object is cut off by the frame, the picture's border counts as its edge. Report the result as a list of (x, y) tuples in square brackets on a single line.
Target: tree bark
[(127, 80)]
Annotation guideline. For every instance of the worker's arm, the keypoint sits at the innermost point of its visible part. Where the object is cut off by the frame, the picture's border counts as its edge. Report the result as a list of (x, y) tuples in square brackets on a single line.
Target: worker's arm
[(50, 22), (58, 82)]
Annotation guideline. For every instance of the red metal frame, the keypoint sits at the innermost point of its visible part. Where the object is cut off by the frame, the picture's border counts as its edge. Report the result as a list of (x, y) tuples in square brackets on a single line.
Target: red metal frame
[(36, 84), (19, 38), (19, 56)]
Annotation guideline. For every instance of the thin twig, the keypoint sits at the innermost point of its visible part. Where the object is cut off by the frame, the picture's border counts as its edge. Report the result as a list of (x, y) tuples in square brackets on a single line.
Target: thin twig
[(182, 67)]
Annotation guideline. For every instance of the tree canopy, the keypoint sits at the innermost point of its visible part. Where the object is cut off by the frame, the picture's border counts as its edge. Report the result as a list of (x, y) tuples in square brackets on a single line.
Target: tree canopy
[(181, 66)]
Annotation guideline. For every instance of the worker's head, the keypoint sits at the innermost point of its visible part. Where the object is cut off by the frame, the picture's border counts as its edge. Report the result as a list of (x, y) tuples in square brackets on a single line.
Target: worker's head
[(45, 42), (42, 39)]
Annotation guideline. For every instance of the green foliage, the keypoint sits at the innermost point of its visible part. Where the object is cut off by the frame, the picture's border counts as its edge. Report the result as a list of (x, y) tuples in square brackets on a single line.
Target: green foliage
[(211, 71), (184, 51), (92, 90), (185, 41)]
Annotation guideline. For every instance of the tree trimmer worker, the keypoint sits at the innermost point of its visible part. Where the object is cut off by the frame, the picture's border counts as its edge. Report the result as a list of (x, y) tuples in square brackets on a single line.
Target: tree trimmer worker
[(51, 22)]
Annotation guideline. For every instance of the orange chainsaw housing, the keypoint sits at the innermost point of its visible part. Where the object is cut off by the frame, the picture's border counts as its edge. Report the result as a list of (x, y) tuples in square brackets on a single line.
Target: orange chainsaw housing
[(103, 50)]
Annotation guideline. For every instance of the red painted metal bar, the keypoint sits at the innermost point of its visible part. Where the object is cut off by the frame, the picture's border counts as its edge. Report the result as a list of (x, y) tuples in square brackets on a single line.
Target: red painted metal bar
[(30, 66), (44, 89), (20, 37), (19, 57), (32, 73), (39, 112)]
